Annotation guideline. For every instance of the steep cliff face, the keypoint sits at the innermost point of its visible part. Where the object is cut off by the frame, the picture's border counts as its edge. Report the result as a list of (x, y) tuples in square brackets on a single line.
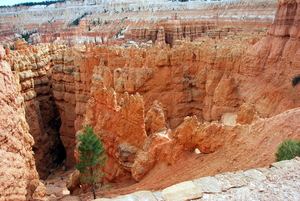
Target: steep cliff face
[(31, 66), (274, 61), (72, 74), (19, 178)]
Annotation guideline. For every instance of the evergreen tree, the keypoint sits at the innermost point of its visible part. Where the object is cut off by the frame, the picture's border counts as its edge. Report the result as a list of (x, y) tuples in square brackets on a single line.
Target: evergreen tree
[(91, 158)]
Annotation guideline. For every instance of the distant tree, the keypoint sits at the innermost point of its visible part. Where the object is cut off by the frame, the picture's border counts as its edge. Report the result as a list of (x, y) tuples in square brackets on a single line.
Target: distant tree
[(91, 159), (288, 150), (12, 47), (27, 35), (296, 80), (76, 21), (39, 3)]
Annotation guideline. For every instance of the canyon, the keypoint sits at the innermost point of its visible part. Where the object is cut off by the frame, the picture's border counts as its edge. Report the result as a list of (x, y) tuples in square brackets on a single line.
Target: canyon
[(174, 90)]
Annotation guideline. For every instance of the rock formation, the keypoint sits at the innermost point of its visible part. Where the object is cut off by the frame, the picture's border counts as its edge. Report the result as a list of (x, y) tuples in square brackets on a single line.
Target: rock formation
[(116, 23), (201, 85), (31, 66), (273, 61), (19, 178), (200, 78), (204, 79)]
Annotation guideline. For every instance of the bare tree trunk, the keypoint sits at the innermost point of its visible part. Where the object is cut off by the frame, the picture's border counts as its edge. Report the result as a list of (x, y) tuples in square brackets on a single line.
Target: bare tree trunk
[(93, 183), (93, 188)]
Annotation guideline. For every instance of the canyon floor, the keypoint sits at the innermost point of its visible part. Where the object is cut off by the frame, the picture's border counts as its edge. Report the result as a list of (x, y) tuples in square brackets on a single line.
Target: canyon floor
[(279, 181), (56, 185)]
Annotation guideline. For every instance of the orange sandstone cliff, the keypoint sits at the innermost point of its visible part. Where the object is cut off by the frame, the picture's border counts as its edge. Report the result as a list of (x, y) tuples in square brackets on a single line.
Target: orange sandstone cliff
[(31, 66), (19, 178)]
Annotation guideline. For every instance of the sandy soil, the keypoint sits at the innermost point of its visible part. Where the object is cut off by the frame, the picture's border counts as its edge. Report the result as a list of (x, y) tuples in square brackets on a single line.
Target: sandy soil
[(191, 166)]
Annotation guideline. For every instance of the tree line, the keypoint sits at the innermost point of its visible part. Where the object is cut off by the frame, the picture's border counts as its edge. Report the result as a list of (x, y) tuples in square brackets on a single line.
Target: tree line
[(36, 3)]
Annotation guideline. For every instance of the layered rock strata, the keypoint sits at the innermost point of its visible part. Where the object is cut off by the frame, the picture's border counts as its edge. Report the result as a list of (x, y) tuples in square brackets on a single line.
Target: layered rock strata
[(116, 23), (31, 66), (72, 74), (19, 178)]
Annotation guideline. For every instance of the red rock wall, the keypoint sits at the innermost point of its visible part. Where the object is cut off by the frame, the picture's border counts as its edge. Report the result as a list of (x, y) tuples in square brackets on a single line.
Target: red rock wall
[(72, 72), (32, 68), (206, 79), (189, 79), (19, 179), (273, 62)]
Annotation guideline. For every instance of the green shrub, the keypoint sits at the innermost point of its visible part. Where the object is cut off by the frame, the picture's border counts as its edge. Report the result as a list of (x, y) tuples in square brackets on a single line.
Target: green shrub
[(296, 80), (287, 150)]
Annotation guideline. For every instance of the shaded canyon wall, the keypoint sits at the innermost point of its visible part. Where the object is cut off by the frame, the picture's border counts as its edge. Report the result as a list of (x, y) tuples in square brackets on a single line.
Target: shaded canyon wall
[(31, 66), (19, 177)]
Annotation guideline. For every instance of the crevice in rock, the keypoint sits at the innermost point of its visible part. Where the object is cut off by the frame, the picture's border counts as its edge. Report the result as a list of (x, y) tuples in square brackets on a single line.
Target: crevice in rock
[(60, 152), (49, 150)]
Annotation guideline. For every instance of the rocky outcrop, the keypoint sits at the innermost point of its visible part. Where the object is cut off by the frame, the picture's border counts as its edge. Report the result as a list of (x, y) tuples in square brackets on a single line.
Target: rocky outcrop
[(148, 91), (207, 138), (64, 95), (31, 66), (19, 178), (156, 74), (273, 61)]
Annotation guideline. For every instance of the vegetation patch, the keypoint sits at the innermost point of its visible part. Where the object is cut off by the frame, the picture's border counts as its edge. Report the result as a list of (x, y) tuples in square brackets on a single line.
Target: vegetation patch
[(27, 35), (91, 159), (288, 150), (296, 80), (77, 20)]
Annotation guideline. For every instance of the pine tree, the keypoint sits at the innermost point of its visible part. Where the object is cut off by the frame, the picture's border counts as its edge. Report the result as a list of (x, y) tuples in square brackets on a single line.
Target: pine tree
[(91, 158)]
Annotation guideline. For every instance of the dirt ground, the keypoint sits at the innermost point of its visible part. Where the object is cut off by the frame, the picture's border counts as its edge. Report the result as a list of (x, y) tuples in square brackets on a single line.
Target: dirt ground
[(189, 167)]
